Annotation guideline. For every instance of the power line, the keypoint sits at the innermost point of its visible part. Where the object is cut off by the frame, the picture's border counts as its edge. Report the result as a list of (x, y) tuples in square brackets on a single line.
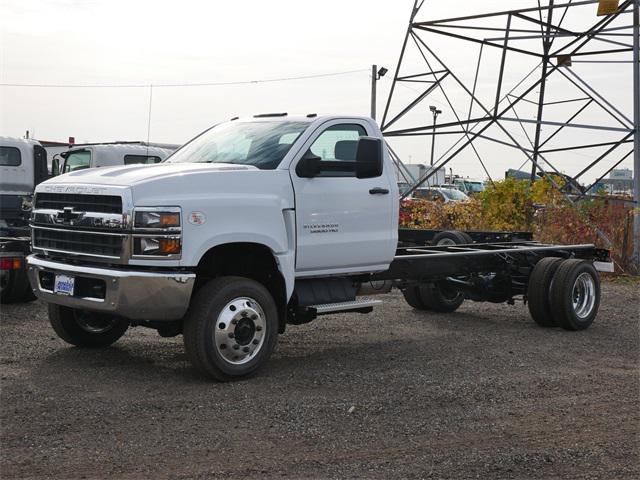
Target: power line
[(171, 85)]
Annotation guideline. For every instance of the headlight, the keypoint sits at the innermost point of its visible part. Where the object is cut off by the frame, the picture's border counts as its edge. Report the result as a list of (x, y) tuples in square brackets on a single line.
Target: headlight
[(156, 218), (157, 246), (156, 232)]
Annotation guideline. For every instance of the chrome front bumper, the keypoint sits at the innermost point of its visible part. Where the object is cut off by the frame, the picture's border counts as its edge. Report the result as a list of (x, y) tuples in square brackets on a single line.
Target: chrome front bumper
[(133, 294)]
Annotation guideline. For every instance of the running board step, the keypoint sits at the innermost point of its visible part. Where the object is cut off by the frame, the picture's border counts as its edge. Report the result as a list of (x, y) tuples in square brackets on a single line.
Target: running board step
[(364, 305)]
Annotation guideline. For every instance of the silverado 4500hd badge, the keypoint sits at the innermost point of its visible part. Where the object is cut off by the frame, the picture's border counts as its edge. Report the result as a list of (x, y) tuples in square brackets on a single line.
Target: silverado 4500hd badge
[(322, 227)]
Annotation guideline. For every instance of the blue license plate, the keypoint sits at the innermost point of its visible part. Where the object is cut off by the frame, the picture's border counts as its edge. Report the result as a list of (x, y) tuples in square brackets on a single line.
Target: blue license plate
[(64, 285)]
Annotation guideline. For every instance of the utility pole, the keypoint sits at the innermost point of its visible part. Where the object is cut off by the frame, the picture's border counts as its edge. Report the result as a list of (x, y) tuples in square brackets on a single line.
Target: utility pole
[(546, 47), (435, 112), (636, 138), (375, 76)]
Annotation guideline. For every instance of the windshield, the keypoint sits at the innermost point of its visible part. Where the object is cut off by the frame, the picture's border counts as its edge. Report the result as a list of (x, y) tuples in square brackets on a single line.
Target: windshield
[(77, 161), (476, 186), (261, 144), (453, 194)]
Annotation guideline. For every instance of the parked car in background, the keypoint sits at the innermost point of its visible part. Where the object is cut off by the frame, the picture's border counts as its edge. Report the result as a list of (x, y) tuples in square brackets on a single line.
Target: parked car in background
[(108, 155), (438, 194)]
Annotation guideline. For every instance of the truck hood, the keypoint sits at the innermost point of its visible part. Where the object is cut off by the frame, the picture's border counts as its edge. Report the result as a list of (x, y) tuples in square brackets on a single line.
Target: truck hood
[(131, 175)]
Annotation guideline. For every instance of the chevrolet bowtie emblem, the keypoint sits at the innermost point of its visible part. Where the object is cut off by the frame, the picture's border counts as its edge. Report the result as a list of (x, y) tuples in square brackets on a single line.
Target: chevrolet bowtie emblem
[(67, 215)]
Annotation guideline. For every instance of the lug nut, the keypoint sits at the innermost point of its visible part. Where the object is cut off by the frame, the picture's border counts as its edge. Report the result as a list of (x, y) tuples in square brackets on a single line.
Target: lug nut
[(255, 341), (245, 349), (234, 321), (236, 347), (254, 317), (244, 314), (258, 328), (223, 346)]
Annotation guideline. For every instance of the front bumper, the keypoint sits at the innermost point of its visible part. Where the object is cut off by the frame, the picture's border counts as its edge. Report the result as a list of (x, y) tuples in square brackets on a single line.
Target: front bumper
[(133, 294)]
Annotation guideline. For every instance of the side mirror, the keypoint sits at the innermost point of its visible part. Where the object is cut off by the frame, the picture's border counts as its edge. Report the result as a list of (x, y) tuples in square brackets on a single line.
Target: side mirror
[(369, 157), (55, 167), (308, 166)]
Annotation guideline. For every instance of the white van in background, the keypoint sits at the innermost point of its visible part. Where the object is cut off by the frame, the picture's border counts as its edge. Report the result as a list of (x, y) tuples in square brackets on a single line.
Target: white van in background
[(79, 157)]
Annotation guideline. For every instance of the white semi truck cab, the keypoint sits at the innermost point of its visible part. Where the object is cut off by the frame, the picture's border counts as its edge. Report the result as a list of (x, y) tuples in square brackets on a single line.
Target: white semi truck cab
[(258, 223)]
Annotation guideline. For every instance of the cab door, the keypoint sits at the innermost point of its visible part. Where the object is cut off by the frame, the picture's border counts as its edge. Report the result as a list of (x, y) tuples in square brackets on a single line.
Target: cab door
[(343, 223)]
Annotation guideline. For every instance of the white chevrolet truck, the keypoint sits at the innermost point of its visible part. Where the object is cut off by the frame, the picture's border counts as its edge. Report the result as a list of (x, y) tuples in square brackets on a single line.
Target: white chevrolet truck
[(262, 222)]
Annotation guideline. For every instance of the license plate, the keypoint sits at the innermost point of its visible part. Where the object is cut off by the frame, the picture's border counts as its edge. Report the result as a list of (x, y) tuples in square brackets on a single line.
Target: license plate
[(64, 285)]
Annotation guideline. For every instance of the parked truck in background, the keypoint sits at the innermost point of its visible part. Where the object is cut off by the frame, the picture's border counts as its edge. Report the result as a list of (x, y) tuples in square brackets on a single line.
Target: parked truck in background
[(94, 155), (23, 165), (264, 222)]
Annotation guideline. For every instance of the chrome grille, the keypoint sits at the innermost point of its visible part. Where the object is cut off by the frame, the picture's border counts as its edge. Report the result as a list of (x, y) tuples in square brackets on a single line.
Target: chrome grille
[(72, 241), (81, 224), (81, 202)]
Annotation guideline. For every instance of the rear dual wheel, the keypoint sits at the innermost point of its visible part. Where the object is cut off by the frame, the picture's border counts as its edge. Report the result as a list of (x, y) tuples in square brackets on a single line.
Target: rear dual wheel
[(451, 237), (438, 297), (564, 293)]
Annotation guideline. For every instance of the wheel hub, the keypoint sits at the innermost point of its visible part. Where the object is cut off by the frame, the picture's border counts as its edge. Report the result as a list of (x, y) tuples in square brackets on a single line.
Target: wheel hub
[(239, 330), (583, 295), (94, 322)]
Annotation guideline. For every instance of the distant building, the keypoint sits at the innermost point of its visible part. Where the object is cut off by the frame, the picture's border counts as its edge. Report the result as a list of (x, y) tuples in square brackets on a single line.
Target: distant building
[(620, 181)]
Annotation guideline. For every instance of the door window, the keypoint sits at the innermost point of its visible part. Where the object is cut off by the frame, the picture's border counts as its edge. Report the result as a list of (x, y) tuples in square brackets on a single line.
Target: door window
[(338, 143)]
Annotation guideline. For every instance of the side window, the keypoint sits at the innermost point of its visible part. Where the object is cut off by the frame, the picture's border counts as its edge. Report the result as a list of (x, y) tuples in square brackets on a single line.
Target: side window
[(10, 157), (338, 143), (141, 159), (77, 161)]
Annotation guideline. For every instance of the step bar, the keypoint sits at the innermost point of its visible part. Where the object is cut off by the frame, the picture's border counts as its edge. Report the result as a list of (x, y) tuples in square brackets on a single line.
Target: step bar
[(364, 305)]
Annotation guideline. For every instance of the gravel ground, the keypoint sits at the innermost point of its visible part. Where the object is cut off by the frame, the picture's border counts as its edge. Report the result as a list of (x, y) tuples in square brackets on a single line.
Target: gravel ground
[(482, 393)]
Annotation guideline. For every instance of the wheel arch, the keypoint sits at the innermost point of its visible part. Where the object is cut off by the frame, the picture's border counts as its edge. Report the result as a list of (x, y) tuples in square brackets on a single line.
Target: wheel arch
[(246, 259)]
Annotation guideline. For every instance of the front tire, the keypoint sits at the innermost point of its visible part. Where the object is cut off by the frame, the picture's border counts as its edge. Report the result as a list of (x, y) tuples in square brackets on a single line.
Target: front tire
[(231, 328), (86, 329)]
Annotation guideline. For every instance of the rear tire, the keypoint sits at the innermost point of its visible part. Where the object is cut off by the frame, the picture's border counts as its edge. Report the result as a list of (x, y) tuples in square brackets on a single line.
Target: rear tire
[(86, 329), (539, 289), (442, 298), (575, 295), (451, 237), (413, 297), (231, 328)]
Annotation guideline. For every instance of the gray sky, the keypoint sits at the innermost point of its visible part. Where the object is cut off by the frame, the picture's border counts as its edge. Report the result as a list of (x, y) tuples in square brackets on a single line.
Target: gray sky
[(158, 42)]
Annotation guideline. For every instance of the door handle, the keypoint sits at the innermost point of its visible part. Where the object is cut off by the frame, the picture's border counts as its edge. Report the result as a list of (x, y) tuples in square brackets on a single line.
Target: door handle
[(379, 191)]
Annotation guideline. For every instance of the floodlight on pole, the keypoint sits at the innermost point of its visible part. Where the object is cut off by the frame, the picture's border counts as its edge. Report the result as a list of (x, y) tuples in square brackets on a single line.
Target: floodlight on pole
[(375, 76), (435, 112)]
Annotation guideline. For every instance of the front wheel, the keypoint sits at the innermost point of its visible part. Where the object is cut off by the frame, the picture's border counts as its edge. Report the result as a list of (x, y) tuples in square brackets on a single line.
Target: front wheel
[(231, 328), (86, 329)]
